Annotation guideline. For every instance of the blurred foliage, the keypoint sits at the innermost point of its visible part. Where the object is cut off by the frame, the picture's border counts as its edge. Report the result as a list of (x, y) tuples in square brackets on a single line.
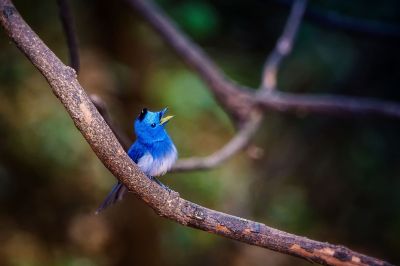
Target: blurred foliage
[(197, 18), (332, 179)]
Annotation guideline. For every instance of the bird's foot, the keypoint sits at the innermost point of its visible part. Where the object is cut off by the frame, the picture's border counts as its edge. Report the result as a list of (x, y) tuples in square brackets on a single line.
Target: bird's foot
[(160, 184)]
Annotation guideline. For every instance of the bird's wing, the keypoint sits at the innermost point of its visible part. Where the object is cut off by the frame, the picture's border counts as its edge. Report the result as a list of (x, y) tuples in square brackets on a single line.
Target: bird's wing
[(136, 151)]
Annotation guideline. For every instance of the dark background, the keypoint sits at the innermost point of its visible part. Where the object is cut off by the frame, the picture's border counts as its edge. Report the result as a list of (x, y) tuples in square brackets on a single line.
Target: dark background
[(334, 179)]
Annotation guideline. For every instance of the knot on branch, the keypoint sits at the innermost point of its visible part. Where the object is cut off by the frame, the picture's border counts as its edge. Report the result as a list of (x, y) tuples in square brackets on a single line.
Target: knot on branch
[(8, 11), (193, 212), (70, 73)]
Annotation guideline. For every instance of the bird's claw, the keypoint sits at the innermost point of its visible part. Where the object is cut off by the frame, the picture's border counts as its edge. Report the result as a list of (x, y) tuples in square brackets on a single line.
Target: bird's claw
[(161, 184)]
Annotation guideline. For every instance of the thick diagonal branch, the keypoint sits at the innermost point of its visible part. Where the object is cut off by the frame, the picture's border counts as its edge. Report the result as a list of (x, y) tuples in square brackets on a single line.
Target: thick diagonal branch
[(90, 123), (237, 143)]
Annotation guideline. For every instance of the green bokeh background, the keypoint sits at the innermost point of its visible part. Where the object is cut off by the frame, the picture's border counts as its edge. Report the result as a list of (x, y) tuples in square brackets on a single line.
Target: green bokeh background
[(334, 179)]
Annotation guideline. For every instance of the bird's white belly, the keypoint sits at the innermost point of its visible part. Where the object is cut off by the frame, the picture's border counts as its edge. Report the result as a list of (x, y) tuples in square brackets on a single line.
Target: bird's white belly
[(158, 166)]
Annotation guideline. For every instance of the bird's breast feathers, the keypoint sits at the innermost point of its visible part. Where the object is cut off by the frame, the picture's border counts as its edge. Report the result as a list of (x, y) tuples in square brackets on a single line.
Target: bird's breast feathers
[(157, 165)]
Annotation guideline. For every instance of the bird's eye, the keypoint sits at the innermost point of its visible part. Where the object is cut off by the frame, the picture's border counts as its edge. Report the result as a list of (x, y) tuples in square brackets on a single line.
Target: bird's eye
[(153, 125)]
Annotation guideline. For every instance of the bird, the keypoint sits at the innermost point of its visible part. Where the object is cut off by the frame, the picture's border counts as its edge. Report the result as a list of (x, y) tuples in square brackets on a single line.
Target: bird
[(153, 151)]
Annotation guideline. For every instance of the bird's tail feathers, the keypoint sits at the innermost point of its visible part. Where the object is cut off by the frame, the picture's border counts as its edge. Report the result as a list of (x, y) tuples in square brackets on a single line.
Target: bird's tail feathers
[(116, 194)]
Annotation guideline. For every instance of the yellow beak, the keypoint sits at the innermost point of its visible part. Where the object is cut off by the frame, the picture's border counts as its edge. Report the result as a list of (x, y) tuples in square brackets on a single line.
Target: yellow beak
[(165, 119)]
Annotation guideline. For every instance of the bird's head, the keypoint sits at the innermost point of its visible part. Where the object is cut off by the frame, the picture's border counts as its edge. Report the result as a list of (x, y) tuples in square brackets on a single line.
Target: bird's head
[(149, 126)]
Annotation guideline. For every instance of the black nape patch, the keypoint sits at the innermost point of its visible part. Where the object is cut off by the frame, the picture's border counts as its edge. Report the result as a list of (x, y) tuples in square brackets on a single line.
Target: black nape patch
[(142, 114)]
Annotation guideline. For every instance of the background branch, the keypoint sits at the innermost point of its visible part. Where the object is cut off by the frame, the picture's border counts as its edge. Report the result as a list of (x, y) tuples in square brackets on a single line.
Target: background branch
[(328, 104), (228, 94), (277, 101), (283, 46), (335, 20), (103, 110), (240, 101), (237, 143), (69, 30), (90, 123)]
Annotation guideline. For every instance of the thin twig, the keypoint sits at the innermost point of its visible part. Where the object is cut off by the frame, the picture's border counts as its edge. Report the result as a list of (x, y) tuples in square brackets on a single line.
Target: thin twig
[(237, 143), (70, 33), (90, 123), (359, 26), (283, 46), (103, 110), (355, 25)]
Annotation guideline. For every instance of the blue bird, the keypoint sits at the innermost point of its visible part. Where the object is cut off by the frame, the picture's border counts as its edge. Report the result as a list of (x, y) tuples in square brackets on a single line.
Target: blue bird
[(153, 151)]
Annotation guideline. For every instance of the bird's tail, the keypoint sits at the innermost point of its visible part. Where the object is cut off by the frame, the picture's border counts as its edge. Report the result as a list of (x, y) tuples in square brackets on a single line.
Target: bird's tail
[(116, 194)]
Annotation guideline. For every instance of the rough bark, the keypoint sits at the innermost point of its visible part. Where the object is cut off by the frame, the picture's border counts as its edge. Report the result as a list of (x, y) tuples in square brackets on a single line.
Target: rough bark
[(62, 80)]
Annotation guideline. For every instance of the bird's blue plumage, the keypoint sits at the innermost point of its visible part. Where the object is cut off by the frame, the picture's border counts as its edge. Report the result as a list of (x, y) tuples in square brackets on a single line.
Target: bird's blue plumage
[(136, 151), (153, 151)]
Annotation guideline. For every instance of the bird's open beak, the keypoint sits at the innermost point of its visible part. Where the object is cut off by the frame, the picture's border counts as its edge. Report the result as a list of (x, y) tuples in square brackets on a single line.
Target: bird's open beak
[(164, 120)]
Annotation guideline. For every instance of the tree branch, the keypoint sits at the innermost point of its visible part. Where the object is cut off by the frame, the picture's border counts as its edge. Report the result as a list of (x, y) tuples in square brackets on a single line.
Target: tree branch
[(103, 110), (335, 20), (328, 104), (90, 123), (281, 102), (237, 143), (69, 29), (283, 46), (228, 94), (240, 98)]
